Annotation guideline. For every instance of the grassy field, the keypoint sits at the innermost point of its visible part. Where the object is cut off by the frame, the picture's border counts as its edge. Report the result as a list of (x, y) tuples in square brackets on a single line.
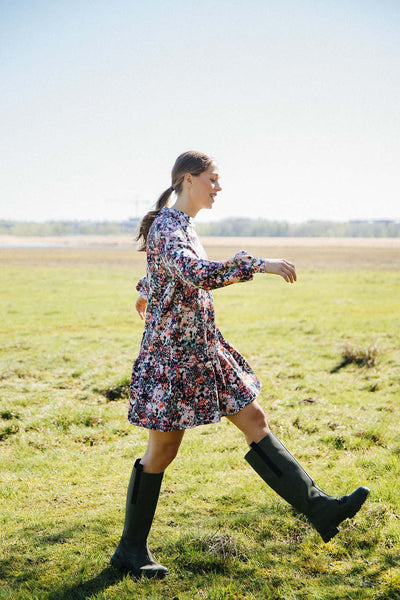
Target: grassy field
[(70, 335)]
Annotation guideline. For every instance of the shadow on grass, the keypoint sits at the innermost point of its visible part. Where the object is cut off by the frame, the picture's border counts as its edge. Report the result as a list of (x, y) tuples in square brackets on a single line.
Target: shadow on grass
[(120, 391), (20, 569), (108, 577)]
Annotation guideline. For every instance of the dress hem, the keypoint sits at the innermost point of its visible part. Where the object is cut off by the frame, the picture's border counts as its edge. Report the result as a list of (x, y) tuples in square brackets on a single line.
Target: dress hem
[(218, 420)]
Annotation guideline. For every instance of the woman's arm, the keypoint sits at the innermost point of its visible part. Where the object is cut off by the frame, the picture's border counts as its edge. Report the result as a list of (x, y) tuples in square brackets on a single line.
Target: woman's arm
[(182, 262)]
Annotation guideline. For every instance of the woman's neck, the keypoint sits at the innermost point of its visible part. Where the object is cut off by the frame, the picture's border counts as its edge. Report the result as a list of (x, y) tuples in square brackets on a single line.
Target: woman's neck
[(186, 206)]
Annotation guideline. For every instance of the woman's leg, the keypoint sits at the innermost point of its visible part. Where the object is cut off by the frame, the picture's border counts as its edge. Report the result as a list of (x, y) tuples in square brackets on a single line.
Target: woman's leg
[(162, 447), (251, 420), (283, 473), (144, 487)]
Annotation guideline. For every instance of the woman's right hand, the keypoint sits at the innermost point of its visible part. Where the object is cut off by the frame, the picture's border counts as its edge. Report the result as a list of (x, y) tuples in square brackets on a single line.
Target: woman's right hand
[(282, 267), (140, 306)]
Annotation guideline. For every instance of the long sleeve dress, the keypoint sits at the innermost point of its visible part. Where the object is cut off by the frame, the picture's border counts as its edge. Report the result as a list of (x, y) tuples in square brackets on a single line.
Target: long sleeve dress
[(186, 373)]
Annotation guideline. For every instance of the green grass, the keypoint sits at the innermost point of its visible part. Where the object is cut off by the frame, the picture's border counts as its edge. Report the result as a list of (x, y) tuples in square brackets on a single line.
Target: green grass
[(70, 334)]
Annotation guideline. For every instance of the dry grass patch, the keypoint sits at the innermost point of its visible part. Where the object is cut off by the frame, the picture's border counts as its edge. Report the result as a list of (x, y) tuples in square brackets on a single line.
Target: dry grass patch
[(358, 355)]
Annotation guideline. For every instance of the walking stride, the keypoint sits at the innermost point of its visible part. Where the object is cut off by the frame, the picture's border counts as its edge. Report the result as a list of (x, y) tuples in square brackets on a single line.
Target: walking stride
[(187, 374)]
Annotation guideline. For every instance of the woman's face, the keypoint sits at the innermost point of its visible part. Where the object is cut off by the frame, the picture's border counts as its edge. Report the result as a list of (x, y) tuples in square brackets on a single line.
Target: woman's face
[(204, 187)]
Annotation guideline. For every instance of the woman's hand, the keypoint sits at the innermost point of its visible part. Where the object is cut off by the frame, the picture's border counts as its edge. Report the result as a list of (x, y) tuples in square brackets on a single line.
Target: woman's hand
[(282, 267), (140, 306)]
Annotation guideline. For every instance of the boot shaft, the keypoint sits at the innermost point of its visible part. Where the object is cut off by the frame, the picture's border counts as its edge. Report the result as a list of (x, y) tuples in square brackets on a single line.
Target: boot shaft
[(141, 502), (282, 472)]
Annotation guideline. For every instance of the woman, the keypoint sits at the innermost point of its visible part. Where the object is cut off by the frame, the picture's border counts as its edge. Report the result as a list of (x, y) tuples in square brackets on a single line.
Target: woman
[(187, 374)]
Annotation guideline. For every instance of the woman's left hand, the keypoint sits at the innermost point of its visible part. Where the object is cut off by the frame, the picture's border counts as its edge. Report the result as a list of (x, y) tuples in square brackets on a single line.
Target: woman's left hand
[(140, 306)]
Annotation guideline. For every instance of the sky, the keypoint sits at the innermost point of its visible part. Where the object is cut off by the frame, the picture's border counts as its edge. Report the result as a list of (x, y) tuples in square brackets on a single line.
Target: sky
[(298, 102)]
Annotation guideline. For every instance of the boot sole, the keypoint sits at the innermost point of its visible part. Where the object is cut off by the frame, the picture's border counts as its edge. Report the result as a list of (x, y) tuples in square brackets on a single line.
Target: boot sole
[(329, 533)]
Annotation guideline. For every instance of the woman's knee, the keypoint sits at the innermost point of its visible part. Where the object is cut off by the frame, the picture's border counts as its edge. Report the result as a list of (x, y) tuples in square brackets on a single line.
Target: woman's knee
[(167, 452), (161, 451), (157, 460), (251, 420), (258, 416), (251, 415)]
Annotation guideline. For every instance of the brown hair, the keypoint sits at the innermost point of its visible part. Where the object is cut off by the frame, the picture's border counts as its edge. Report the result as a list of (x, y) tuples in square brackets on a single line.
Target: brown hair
[(189, 162)]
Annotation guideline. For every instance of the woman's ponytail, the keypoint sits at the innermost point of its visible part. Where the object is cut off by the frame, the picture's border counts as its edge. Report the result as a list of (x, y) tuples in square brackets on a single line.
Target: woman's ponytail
[(150, 216), (188, 162)]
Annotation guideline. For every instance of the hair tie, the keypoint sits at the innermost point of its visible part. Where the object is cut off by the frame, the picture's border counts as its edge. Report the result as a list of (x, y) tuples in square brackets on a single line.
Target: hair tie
[(172, 188)]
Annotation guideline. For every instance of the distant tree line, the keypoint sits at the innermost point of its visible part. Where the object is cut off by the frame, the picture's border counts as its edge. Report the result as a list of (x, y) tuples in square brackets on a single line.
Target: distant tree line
[(263, 228), (54, 228), (226, 227)]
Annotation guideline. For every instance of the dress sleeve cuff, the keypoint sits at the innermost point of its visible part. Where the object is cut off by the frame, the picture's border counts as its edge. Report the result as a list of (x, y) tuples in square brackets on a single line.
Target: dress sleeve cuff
[(141, 288), (260, 265)]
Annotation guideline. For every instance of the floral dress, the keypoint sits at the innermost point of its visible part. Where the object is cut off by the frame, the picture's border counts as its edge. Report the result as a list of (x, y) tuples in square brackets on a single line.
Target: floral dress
[(186, 373)]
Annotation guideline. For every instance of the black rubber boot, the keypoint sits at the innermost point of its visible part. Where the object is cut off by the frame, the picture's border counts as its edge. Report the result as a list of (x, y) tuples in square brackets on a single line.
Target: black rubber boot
[(281, 471), (132, 553)]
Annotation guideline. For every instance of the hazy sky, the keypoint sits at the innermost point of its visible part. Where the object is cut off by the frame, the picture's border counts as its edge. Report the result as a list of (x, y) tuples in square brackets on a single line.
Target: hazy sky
[(298, 101)]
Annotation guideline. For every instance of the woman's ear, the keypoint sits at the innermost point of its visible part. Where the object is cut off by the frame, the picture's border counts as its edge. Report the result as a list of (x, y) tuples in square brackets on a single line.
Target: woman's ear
[(188, 178)]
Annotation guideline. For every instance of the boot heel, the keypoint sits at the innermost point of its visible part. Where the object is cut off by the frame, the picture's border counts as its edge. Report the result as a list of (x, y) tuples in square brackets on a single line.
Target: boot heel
[(329, 533)]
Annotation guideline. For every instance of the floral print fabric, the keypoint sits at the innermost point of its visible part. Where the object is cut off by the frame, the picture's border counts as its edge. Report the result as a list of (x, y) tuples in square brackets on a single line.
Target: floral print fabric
[(186, 373)]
